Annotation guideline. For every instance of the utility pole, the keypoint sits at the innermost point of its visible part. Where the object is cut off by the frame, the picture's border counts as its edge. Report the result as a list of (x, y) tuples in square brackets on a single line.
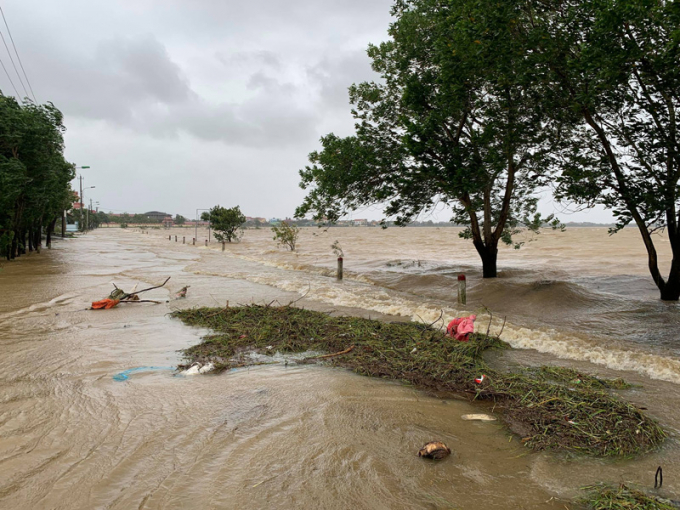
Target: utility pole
[(88, 215), (81, 204)]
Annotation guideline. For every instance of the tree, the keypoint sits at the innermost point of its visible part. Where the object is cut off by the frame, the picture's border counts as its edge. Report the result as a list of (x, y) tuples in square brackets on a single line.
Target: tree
[(286, 234), (457, 119), (226, 223), (34, 176), (180, 220), (616, 65)]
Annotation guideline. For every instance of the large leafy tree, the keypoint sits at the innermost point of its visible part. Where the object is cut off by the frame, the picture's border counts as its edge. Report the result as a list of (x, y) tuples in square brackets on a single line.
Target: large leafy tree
[(227, 224), (34, 176), (616, 65), (456, 119)]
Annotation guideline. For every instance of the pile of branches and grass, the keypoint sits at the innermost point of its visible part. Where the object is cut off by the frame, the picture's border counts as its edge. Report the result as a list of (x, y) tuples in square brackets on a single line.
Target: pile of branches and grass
[(606, 497), (550, 408)]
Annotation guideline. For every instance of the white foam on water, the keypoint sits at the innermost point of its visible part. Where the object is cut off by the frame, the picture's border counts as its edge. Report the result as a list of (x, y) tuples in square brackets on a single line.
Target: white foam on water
[(371, 297)]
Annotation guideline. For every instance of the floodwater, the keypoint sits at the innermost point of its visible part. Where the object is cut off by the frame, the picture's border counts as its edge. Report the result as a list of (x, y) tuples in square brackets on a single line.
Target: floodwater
[(72, 436)]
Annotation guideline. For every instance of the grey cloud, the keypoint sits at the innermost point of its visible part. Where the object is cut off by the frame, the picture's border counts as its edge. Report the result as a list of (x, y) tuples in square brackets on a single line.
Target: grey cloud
[(260, 58), (334, 75)]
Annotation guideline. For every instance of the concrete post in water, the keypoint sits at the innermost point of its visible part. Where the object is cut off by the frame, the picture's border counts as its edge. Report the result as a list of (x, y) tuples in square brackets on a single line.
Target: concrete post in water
[(339, 268), (175, 238), (169, 238), (224, 245), (194, 241), (184, 240), (462, 290), (206, 242)]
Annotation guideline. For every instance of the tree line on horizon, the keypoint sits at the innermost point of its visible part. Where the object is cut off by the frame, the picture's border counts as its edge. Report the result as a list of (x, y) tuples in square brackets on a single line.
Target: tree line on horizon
[(34, 176), (481, 104)]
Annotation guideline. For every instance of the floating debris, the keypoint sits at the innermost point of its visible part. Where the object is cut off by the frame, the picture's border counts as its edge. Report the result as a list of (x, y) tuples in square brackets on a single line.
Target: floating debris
[(125, 375), (198, 368), (478, 417), (434, 450)]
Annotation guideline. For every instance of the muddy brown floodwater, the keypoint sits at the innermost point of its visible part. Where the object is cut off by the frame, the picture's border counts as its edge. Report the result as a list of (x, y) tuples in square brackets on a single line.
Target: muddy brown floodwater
[(72, 436)]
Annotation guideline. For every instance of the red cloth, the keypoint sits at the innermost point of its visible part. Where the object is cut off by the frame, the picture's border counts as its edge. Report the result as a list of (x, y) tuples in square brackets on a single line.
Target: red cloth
[(105, 304), (461, 327)]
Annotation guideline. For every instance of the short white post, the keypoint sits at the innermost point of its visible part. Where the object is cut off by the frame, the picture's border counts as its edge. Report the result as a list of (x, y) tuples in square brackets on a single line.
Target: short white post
[(462, 291)]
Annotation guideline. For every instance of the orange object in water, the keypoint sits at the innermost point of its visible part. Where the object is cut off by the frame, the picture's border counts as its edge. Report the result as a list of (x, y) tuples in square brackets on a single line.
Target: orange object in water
[(105, 304)]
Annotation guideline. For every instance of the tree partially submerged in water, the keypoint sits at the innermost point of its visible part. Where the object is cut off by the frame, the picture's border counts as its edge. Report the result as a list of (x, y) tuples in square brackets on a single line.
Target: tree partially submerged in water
[(34, 176), (616, 65), (227, 224), (457, 119)]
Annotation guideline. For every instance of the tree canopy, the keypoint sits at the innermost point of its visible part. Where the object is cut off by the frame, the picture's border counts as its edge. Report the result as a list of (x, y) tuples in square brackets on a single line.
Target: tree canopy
[(227, 224), (616, 65), (456, 119), (34, 176)]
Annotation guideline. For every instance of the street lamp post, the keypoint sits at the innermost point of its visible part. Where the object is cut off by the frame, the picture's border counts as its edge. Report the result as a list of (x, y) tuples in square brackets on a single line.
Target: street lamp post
[(87, 215), (196, 225), (63, 218)]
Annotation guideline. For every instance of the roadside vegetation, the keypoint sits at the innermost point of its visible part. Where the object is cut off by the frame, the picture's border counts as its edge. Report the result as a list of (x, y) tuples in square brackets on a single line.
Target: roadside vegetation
[(548, 408), (34, 176)]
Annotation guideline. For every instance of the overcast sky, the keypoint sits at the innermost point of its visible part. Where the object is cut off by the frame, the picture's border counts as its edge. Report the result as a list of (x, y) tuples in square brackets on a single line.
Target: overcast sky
[(178, 105)]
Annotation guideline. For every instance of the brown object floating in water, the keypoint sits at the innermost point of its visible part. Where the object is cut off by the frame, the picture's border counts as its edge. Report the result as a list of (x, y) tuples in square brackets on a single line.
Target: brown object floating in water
[(434, 450)]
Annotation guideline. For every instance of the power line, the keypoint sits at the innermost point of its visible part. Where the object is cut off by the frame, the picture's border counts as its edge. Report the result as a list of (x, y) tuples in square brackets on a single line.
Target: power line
[(18, 57), (13, 64), (10, 79)]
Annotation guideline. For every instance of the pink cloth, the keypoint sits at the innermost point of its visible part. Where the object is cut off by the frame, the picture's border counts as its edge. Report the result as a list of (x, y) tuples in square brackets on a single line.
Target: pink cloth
[(461, 327)]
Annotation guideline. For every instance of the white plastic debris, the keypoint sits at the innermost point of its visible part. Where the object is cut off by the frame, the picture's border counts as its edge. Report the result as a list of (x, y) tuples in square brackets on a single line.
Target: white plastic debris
[(197, 368), (479, 417)]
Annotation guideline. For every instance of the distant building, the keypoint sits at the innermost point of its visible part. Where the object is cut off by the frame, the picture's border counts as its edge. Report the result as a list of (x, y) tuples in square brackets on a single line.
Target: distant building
[(156, 216)]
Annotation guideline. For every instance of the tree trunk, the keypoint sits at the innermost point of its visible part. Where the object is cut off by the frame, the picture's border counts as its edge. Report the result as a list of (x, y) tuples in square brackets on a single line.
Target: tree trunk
[(489, 256), (50, 231), (30, 241)]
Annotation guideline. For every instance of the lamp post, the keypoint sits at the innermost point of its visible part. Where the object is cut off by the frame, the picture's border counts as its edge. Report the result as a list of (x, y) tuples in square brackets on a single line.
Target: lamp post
[(87, 218), (63, 219), (196, 224)]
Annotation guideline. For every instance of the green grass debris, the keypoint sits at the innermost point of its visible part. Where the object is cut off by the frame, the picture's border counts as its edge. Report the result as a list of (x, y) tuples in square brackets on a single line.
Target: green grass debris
[(607, 497), (546, 407)]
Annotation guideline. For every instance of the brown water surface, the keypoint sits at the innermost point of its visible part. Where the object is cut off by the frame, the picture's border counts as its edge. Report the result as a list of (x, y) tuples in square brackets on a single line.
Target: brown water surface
[(71, 436)]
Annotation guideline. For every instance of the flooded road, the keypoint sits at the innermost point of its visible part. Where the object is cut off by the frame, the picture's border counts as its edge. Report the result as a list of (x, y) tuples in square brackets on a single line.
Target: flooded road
[(71, 436)]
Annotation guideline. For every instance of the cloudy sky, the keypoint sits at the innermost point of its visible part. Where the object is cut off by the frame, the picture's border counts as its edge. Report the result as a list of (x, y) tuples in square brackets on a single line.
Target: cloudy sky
[(178, 105)]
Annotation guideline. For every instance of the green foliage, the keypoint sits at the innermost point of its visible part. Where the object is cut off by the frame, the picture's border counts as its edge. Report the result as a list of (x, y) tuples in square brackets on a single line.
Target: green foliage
[(457, 119), (34, 176), (227, 224), (180, 220), (615, 67), (286, 234)]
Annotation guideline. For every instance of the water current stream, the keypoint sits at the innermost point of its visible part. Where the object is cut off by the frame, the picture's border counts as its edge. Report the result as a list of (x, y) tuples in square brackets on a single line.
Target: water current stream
[(72, 436)]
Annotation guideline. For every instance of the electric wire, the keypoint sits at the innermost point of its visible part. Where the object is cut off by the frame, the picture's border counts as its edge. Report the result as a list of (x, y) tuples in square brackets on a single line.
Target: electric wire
[(10, 79), (14, 65), (21, 64)]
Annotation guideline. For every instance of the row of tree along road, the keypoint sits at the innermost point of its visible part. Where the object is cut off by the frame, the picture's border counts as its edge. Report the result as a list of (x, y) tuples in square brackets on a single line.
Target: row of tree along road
[(34, 176), (481, 104)]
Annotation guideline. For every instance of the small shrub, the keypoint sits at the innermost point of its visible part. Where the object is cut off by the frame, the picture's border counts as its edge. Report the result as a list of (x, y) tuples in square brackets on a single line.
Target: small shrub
[(286, 234)]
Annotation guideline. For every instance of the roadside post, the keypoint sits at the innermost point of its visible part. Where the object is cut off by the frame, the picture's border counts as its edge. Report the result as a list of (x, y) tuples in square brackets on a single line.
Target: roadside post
[(462, 290), (340, 260)]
